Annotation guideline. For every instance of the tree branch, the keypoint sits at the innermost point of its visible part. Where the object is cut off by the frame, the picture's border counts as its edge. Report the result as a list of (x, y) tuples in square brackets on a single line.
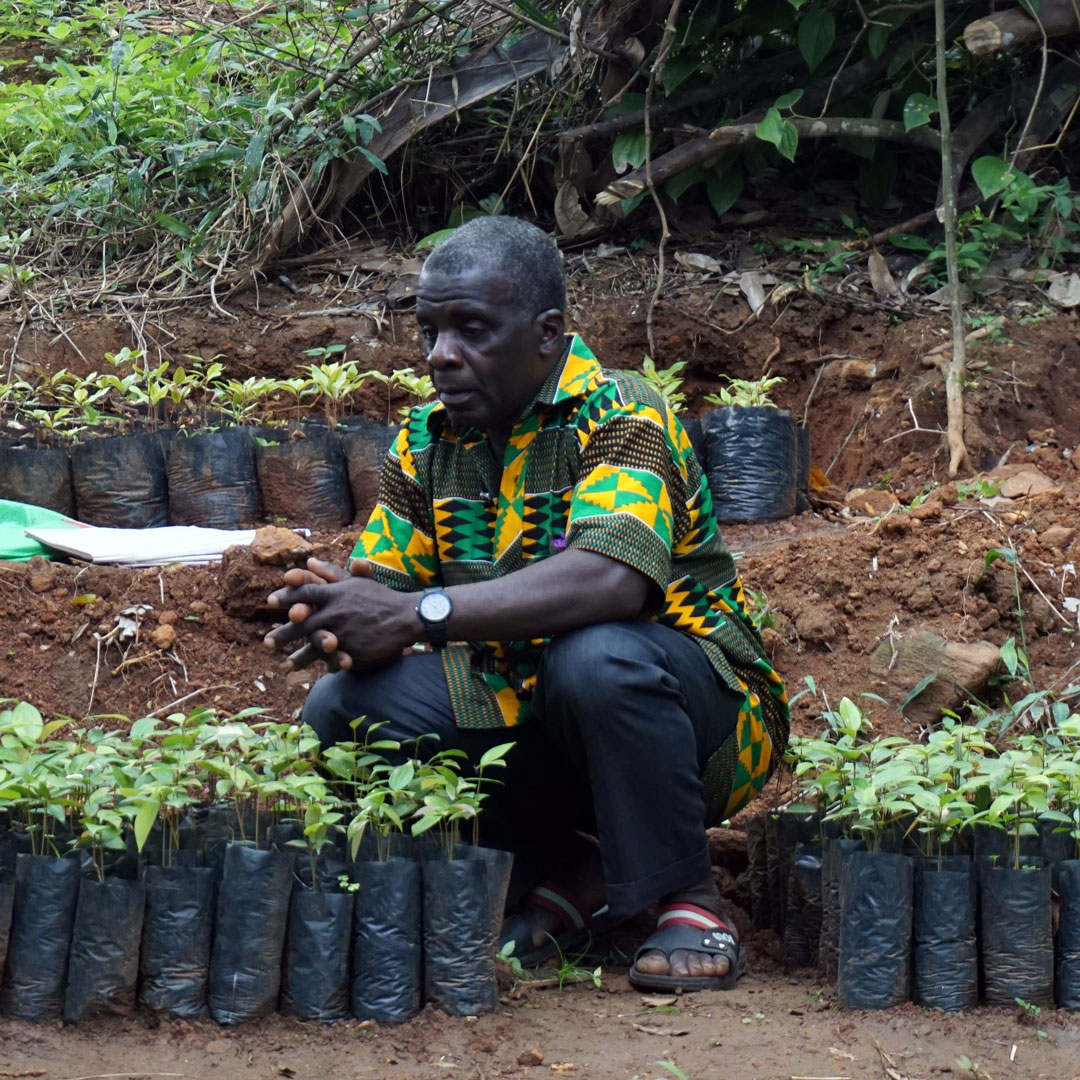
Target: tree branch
[(1016, 27)]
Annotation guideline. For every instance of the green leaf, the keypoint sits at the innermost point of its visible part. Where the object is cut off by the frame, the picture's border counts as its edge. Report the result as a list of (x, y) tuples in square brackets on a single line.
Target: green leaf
[(629, 205), (628, 150), (1009, 656), (682, 182), (495, 754), (908, 242), (678, 70), (788, 100), (144, 821), (781, 133), (373, 159), (174, 225), (724, 189), (918, 109), (917, 689), (25, 721), (991, 174), (627, 104), (876, 178), (143, 728), (817, 32), (254, 155)]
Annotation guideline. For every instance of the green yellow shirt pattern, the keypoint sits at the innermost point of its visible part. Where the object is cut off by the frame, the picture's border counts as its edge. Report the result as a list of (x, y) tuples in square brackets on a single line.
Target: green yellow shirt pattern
[(597, 462)]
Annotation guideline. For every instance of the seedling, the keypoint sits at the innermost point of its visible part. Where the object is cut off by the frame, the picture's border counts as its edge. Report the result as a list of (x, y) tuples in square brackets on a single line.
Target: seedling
[(749, 393)]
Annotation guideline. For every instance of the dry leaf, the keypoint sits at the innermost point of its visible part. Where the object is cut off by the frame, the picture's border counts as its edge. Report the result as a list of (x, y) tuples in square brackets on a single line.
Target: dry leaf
[(880, 277), (569, 215), (695, 260), (565, 1067), (818, 480), (753, 290), (655, 1029), (658, 1001), (1065, 291)]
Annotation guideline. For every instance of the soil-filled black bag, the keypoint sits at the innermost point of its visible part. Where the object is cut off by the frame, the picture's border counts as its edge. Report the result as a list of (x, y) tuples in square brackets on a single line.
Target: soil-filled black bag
[(1066, 941), (365, 443), (387, 959), (219, 825), (802, 923), (249, 934), (459, 963), (174, 963), (315, 980), (875, 930), (500, 865), (802, 468), (104, 963), (302, 478), (213, 479), (772, 872), (120, 482), (1055, 846), (696, 434), (752, 466), (757, 868), (41, 477), (46, 894), (944, 952), (1016, 938), (7, 901)]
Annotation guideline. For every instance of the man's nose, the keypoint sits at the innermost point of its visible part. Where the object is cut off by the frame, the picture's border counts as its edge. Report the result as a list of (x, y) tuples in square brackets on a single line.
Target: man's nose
[(445, 352)]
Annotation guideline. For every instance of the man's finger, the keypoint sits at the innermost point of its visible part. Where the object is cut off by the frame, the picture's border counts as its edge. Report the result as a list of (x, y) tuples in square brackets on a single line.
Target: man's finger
[(325, 641), (284, 635), (299, 613), (361, 568), (316, 595), (298, 576), (326, 571)]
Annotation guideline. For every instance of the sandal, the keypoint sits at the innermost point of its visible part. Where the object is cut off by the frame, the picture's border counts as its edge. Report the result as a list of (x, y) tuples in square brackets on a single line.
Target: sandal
[(552, 897), (685, 926)]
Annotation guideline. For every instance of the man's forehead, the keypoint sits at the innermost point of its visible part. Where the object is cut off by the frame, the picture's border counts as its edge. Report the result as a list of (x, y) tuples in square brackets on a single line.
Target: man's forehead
[(484, 284)]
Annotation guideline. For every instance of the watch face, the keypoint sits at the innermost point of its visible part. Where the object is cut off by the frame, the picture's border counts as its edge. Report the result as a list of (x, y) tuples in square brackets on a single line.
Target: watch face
[(435, 607)]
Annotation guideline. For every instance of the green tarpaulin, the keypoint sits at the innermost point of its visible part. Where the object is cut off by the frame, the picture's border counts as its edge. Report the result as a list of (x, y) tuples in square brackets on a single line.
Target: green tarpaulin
[(15, 517)]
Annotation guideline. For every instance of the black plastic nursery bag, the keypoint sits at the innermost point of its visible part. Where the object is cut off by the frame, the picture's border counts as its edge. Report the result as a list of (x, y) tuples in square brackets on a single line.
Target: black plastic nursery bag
[(944, 954), (500, 865), (46, 894), (752, 462), (120, 482), (365, 443), (249, 934), (41, 477), (104, 963), (875, 930), (303, 479), (177, 930), (802, 468), (1067, 939), (802, 924), (757, 858), (459, 965), (213, 479), (387, 959), (315, 979), (7, 901), (1016, 939)]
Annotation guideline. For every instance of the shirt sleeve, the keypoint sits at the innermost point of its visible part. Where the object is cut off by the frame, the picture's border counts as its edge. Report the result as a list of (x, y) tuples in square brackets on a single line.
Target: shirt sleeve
[(398, 539), (621, 506)]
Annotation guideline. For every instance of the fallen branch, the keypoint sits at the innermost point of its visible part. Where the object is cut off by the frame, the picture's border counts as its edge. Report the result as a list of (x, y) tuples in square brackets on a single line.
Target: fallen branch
[(1016, 27)]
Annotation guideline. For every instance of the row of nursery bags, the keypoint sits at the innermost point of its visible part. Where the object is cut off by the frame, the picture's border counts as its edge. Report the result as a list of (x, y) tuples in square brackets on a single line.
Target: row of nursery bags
[(373, 939), (757, 462), (948, 932), (308, 474)]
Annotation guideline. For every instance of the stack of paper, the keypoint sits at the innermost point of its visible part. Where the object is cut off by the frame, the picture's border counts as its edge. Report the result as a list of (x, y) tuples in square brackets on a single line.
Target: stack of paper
[(144, 547)]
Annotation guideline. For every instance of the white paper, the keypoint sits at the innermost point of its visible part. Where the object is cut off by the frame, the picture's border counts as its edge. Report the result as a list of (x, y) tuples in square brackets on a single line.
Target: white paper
[(144, 547)]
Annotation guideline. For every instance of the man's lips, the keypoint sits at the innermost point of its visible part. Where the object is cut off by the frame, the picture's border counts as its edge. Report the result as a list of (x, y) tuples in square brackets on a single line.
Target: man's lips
[(456, 395)]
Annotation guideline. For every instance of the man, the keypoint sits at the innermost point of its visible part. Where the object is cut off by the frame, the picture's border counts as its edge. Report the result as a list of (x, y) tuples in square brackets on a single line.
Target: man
[(545, 527)]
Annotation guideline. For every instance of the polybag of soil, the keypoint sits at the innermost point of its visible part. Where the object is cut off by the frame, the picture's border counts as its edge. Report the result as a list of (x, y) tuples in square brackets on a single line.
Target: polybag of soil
[(315, 979), (7, 901), (177, 929), (41, 477), (752, 464), (249, 934), (104, 962), (1055, 846), (120, 482), (944, 953), (802, 923), (500, 865), (459, 965), (875, 930), (757, 858), (1066, 941), (302, 478), (365, 444), (219, 825), (213, 479), (46, 894), (1016, 939), (696, 434), (387, 962)]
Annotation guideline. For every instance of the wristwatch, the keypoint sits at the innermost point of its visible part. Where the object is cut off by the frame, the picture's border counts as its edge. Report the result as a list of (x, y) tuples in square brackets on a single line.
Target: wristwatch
[(434, 609)]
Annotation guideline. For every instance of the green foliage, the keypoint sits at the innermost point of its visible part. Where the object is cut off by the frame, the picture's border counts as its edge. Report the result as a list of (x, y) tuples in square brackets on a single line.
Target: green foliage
[(746, 392), (667, 381)]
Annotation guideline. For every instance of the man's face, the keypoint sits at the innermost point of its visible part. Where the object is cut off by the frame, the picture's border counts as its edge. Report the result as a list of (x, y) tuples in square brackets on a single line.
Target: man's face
[(487, 359)]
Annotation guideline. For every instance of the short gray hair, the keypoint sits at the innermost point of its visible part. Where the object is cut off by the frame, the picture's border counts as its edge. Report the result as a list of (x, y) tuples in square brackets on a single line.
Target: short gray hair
[(522, 253)]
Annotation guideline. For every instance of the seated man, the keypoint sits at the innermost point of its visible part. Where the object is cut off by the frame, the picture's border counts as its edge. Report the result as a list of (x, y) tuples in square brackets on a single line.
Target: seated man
[(545, 526)]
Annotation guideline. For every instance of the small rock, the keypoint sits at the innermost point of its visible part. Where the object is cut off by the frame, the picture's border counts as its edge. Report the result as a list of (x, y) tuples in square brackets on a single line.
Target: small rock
[(850, 374), (1019, 481), (871, 502), (817, 624), (167, 618), (42, 574), (1057, 536), (274, 546), (530, 1057), (163, 637), (199, 607)]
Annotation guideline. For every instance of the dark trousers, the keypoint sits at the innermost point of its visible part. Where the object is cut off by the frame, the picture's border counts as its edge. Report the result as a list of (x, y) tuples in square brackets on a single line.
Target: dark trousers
[(625, 715)]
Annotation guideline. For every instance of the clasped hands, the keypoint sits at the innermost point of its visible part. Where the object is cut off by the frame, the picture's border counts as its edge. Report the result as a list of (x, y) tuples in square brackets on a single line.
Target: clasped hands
[(343, 617)]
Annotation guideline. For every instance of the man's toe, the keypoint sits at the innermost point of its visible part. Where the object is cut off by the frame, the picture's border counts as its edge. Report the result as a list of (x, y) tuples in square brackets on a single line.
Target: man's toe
[(653, 962)]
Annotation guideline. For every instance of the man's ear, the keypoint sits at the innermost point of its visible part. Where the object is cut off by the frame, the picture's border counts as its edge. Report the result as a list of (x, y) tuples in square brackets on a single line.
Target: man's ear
[(550, 327)]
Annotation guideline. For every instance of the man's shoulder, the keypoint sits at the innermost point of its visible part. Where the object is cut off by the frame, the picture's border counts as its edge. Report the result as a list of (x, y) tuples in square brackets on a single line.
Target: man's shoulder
[(629, 389)]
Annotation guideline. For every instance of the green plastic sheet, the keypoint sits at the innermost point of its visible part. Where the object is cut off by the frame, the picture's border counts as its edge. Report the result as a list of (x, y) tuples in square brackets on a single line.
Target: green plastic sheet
[(15, 518)]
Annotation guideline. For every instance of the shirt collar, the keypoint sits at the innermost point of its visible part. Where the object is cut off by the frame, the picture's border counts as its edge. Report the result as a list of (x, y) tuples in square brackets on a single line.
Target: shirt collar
[(573, 378)]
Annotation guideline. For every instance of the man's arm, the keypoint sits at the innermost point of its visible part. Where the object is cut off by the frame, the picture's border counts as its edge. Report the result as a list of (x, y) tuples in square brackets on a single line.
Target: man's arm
[(366, 621)]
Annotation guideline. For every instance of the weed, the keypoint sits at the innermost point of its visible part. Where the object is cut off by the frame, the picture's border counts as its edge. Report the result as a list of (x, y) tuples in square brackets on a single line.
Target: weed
[(978, 489), (673, 1069), (506, 955)]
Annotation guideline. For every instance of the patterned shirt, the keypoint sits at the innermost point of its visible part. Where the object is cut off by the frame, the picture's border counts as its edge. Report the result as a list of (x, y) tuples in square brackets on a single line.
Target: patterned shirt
[(597, 462)]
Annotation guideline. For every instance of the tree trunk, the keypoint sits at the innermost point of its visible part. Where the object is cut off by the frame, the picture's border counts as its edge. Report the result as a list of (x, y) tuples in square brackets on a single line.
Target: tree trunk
[(1016, 26)]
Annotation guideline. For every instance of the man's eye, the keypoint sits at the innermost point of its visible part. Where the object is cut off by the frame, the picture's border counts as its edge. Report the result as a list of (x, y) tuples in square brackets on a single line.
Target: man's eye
[(473, 329)]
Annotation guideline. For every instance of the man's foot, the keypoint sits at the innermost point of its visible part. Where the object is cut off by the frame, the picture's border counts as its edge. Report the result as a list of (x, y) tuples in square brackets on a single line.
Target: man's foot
[(551, 918), (693, 946)]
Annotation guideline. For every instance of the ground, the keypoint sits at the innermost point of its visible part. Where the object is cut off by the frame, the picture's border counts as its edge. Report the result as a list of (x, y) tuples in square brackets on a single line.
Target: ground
[(837, 582)]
